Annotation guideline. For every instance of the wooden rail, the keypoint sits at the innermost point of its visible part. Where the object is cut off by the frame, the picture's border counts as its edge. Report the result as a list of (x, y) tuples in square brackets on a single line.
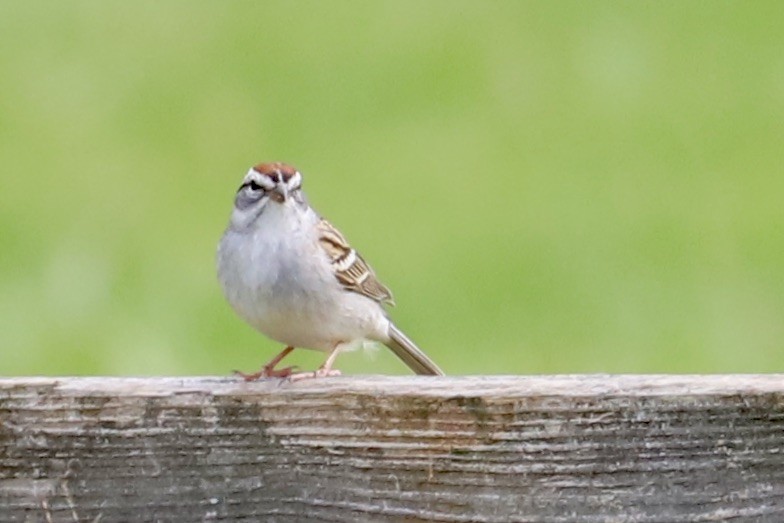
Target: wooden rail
[(502, 448)]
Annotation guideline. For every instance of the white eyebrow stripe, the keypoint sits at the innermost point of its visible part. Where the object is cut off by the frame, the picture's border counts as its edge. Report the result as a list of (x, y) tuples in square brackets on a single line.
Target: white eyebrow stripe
[(295, 180), (261, 179)]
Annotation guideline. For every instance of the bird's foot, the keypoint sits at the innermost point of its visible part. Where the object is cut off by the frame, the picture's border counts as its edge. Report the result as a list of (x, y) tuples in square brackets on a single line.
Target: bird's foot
[(320, 373), (267, 371)]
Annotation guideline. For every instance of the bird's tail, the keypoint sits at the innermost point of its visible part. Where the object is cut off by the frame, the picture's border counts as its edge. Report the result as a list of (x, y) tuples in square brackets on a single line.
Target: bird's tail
[(406, 350)]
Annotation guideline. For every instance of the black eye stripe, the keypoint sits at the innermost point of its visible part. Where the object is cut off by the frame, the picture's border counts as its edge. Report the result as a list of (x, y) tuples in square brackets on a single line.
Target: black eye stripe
[(253, 184)]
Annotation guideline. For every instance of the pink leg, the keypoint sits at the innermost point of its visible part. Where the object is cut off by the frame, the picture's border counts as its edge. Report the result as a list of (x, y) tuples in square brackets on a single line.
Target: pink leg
[(269, 370), (323, 371)]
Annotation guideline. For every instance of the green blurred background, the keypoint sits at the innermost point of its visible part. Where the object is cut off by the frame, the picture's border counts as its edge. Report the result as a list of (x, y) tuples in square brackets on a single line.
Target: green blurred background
[(547, 187)]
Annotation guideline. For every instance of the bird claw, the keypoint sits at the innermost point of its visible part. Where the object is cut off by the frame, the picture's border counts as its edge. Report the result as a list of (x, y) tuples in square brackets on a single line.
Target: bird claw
[(320, 373), (266, 372)]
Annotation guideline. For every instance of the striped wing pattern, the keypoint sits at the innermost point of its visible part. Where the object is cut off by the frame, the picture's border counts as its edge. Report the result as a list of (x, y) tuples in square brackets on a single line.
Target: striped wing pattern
[(350, 269)]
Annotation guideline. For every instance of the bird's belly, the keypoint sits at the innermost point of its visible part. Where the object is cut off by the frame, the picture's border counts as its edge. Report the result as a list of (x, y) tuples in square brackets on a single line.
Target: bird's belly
[(300, 304), (299, 319), (315, 321)]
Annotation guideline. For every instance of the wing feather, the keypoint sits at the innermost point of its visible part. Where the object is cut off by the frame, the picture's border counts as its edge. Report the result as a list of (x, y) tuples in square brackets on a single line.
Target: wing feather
[(351, 270)]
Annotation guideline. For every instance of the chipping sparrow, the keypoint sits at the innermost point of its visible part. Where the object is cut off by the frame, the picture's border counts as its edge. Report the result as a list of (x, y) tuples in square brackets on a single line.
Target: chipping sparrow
[(291, 275)]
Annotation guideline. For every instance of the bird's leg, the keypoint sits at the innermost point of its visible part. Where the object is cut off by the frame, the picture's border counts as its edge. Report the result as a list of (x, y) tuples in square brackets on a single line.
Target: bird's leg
[(323, 371), (269, 370)]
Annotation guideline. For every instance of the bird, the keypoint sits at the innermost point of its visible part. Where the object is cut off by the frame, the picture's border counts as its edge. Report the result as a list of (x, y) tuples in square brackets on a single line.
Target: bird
[(291, 275)]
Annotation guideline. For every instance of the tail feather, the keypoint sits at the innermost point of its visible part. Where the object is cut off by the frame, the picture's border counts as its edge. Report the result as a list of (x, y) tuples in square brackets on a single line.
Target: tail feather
[(406, 350)]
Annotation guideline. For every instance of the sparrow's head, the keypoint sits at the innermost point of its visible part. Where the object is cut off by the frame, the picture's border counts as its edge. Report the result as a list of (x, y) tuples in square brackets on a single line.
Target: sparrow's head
[(269, 184)]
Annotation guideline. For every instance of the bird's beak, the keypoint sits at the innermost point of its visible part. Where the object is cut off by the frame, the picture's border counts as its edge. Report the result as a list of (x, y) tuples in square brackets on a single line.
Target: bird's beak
[(279, 193)]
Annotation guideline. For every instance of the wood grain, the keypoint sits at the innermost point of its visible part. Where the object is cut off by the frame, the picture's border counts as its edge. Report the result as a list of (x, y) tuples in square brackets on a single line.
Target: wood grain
[(502, 448)]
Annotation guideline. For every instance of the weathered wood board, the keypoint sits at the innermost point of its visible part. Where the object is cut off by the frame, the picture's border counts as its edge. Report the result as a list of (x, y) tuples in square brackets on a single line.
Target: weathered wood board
[(502, 448)]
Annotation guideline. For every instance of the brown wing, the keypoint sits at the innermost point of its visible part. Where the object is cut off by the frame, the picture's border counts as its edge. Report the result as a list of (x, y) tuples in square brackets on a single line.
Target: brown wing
[(350, 269)]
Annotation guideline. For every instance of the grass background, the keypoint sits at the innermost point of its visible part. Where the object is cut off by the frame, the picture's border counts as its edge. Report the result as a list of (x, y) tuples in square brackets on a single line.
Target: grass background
[(547, 187)]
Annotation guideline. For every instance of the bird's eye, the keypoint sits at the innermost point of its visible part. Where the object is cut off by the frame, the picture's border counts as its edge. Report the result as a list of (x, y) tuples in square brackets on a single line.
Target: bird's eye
[(252, 185)]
